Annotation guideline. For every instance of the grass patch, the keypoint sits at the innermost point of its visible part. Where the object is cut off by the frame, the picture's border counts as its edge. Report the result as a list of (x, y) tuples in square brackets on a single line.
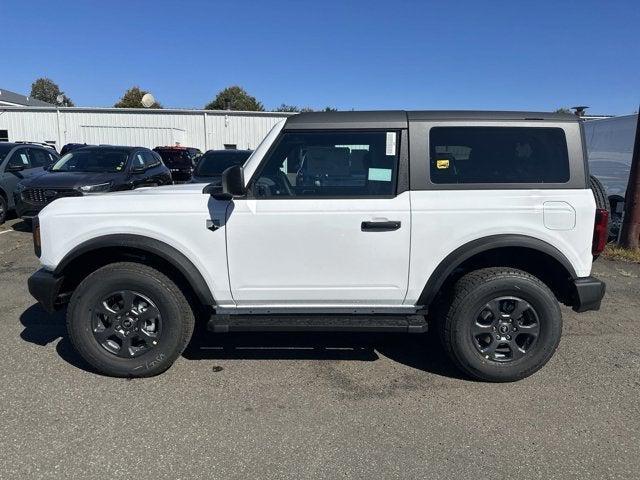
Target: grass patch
[(614, 252)]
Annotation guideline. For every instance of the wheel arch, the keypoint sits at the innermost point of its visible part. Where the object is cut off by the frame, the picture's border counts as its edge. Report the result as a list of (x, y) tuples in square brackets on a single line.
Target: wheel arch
[(530, 254), (100, 251)]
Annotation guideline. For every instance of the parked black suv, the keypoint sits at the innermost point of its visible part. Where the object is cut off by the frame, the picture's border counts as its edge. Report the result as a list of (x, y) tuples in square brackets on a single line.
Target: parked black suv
[(20, 161), (91, 170), (214, 162), (180, 160), (69, 147)]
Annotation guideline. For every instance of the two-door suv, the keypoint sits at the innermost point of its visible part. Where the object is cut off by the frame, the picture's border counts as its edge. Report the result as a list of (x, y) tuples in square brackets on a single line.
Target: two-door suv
[(480, 223)]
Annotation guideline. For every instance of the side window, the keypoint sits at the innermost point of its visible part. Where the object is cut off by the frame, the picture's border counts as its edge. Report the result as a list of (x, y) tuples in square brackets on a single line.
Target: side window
[(39, 158), (498, 155), (20, 159), (149, 159), (330, 164), (138, 161)]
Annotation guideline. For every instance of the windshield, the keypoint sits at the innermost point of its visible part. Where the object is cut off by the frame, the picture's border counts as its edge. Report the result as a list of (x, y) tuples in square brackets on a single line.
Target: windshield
[(175, 158), (213, 164), (92, 160)]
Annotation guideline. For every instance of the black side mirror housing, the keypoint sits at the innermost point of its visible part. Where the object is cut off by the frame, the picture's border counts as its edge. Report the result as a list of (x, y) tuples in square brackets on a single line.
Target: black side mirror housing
[(14, 168), (232, 185)]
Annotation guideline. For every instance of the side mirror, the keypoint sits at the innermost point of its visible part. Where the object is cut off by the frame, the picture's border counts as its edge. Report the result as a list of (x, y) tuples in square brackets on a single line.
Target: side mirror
[(14, 168), (232, 185)]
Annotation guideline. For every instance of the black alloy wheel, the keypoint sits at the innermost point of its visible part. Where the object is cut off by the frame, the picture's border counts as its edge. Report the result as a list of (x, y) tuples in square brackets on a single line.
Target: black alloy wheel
[(126, 323), (505, 329)]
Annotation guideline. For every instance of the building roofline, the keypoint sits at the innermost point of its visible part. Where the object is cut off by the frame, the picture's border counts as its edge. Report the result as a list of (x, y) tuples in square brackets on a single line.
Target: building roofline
[(185, 111)]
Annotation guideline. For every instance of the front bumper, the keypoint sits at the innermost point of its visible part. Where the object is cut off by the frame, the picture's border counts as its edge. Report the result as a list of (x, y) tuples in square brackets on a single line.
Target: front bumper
[(588, 293), (44, 286), (26, 209)]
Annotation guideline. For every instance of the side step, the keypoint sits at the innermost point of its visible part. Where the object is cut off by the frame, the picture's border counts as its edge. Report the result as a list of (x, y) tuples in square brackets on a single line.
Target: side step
[(317, 323)]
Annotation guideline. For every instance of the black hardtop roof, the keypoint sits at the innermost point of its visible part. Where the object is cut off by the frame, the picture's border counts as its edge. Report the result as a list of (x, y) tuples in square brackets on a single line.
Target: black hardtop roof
[(400, 118)]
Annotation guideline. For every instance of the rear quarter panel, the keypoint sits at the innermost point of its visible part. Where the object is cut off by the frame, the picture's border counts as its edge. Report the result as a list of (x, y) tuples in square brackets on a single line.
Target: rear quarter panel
[(445, 220)]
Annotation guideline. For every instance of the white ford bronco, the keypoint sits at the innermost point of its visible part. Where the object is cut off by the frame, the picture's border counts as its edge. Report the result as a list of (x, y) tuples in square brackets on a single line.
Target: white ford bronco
[(475, 223)]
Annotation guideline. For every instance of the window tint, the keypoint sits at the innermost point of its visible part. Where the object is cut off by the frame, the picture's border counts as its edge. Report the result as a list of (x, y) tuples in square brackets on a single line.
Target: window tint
[(20, 158), (175, 158), (39, 158), (498, 155), (4, 150), (213, 163), (95, 160), (138, 161), (150, 159), (331, 164)]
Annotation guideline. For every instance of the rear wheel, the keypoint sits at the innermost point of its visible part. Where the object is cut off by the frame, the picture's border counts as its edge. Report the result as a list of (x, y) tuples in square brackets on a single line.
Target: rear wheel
[(502, 325), (129, 320)]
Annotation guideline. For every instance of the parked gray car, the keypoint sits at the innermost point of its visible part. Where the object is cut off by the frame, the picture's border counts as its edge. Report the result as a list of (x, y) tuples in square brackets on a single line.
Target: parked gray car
[(19, 161)]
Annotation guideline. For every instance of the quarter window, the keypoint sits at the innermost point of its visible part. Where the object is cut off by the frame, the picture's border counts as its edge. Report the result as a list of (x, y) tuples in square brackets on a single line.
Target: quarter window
[(498, 155), (330, 164)]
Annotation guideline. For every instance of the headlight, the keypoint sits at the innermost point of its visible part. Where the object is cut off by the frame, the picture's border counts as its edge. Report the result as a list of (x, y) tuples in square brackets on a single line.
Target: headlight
[(19, 187), (100, 188)]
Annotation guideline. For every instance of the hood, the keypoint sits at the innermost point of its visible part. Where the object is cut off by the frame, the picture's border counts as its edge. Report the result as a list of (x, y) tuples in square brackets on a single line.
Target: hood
[(217, 180), (182, 189), (70, 179)]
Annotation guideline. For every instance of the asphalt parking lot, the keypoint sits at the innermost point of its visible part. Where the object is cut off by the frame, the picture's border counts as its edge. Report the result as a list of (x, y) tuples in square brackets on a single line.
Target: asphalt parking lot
[(317, 406)]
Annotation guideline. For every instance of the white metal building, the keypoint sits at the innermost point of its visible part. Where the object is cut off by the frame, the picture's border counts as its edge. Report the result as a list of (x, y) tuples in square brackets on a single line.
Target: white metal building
[(204, 129)]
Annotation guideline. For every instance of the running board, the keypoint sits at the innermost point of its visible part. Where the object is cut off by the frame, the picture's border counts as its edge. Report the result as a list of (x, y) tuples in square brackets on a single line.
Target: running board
[(317, 323)]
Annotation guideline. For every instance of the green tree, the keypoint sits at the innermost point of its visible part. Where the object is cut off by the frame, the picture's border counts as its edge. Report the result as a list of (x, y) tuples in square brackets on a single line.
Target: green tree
[(48, 91), (330, 109), (287, 108), (235, 98), (132, 98), (563, 110)]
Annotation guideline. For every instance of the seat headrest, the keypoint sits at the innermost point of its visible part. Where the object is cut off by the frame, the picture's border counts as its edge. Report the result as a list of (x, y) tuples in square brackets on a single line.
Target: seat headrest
[(332, 161)]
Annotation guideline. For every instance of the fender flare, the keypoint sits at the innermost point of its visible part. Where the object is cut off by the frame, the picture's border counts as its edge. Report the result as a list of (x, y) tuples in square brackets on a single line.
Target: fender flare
[(146, 244), (480, 245)]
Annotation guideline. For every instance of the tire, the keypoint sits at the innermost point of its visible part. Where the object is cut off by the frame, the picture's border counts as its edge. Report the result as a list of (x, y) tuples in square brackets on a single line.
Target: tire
[(3, 209), (113, 342), (467, 317)]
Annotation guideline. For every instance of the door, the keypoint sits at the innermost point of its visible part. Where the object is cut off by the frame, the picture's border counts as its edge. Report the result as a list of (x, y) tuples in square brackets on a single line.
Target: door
[(141, 169), (323, 224), (18, 167)]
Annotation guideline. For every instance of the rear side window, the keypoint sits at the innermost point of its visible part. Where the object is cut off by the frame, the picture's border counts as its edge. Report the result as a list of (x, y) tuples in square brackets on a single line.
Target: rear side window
[(498, 155)]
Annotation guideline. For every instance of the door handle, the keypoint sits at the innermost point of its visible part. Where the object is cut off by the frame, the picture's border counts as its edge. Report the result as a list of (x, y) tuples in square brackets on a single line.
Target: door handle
[(380, 226)]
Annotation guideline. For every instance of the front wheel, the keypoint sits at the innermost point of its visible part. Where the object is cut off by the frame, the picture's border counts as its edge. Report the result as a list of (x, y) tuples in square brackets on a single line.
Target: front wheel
[(3, 210), (502, 325), (129, 320)]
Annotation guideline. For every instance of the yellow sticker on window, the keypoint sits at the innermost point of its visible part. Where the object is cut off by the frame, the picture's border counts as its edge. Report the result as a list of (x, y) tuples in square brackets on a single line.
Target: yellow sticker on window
[(442, 164)]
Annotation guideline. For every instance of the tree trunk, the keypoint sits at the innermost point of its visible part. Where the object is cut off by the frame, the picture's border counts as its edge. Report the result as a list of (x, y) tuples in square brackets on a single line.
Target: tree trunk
[(630, 237)]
